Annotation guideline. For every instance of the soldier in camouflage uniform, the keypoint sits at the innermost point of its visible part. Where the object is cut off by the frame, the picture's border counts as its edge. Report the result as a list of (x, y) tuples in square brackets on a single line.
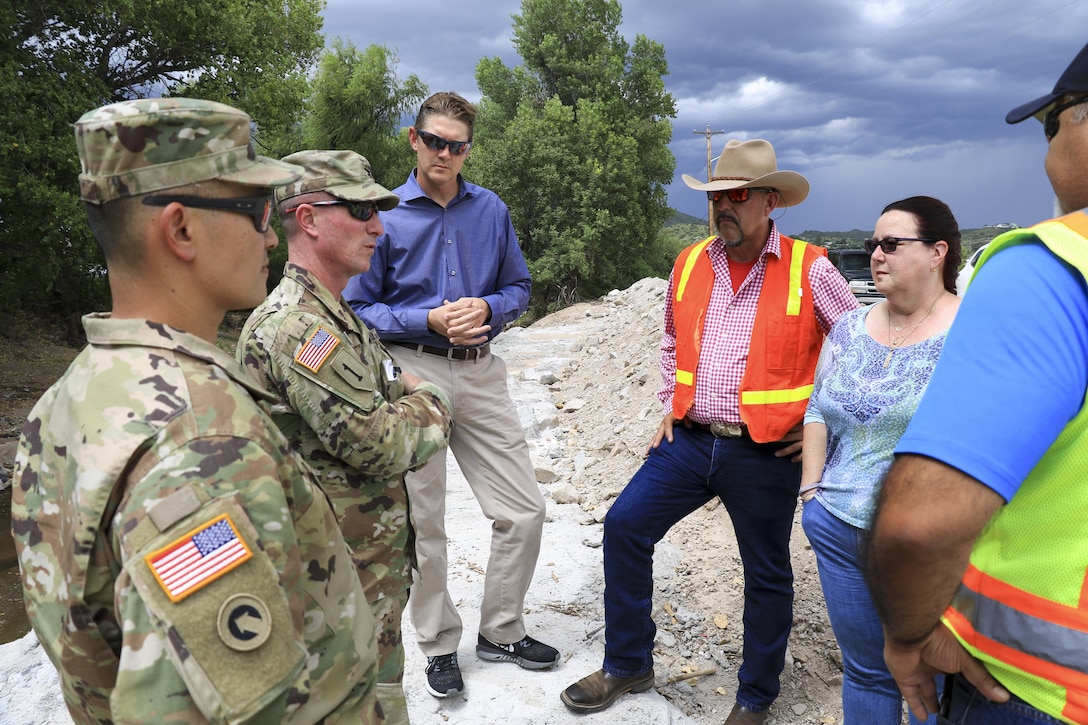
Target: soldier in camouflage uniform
[(179, 562), (359, 422)]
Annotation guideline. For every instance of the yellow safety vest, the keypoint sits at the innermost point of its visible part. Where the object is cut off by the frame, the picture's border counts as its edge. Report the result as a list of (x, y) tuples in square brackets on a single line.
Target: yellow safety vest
[(1022, 607)]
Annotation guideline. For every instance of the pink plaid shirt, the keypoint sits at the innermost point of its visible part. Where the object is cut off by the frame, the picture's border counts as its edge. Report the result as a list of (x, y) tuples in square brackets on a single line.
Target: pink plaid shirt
[(728, 329)]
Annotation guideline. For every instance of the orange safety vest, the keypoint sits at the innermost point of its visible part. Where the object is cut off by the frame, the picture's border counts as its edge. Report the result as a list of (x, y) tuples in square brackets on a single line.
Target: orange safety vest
[(1022, 606), (785, 343)]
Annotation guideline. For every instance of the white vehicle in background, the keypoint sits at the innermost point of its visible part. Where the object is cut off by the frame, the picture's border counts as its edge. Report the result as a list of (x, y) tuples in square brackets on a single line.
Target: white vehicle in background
[(964, 276)]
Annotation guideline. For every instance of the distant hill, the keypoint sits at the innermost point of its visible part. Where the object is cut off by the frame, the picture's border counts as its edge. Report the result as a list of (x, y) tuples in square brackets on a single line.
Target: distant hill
[(970, 239), (679, 217), (683, 229), (834, 240)]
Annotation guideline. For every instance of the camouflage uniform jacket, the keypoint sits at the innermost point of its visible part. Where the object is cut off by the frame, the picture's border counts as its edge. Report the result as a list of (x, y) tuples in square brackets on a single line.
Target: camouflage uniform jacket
[(350, 420), (179, 563)]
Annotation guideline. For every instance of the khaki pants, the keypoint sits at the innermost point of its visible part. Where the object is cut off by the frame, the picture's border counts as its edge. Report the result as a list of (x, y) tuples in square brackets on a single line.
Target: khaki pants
[(489, 444)]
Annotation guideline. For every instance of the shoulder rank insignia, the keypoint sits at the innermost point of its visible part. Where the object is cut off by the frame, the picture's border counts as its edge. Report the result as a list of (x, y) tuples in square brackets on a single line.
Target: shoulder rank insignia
[(315, 351), (198, 558)]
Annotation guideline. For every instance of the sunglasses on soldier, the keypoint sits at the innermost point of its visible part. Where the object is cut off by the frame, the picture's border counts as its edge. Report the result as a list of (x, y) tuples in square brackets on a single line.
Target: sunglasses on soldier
[(257, 208), (361, 210)]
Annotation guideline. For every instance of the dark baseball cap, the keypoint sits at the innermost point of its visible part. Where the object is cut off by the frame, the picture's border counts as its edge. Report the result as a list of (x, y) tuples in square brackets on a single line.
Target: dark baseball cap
[(1073, 80)]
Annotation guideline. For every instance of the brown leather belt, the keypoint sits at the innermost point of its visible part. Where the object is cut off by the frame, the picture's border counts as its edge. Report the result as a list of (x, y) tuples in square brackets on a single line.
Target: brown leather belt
[(722, 430), (450, 353)]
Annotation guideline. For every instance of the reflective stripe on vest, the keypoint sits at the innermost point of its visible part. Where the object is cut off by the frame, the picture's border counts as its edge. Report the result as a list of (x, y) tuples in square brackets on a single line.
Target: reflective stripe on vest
[(797, 263), (770, 397), (1061, 638), (689, 263), (694, 252)]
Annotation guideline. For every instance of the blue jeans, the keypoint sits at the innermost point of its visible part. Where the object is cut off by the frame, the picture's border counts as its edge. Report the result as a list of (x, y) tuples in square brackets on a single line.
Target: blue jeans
[(970, 707), (869, 693), (760, 494)]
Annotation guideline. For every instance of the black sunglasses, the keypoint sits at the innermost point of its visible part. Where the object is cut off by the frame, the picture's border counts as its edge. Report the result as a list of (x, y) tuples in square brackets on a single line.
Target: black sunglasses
[(734, 195), (1050, 120), (258, 208), (361, 210), (888, 244), (437, 143)]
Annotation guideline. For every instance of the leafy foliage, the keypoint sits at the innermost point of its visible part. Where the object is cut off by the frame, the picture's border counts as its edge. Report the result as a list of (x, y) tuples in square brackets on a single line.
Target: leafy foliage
[(358, 103), (676, 237), (834, 240), (355, 101), (61, 58), (575, 141)]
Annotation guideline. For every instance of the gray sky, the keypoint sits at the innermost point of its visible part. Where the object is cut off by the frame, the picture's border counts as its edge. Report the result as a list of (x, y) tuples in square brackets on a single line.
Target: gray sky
[(871, 100)]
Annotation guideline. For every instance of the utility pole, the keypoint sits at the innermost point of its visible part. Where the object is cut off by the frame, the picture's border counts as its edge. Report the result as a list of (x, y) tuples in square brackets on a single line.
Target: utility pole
[(709, 204)]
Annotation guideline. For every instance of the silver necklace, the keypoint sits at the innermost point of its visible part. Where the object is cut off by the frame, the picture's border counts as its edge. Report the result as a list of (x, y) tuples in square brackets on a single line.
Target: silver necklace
[(900, 336)]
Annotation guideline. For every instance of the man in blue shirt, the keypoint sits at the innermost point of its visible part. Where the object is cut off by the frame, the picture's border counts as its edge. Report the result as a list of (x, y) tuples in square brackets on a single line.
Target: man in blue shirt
[(445, 278)]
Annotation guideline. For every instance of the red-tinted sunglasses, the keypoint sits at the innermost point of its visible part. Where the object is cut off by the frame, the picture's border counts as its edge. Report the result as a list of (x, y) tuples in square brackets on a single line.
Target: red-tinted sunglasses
[(734, 195)]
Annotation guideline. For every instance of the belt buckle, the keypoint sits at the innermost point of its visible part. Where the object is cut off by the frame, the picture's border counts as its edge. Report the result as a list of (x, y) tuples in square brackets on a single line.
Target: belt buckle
[(726, 430), (467, 353), (463, 353)]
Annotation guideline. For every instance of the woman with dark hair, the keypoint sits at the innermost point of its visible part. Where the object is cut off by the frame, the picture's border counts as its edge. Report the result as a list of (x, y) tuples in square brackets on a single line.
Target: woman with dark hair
[(874, 367)]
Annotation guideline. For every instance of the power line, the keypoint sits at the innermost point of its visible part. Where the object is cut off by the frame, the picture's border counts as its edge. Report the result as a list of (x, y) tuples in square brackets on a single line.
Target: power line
[(709, 204)]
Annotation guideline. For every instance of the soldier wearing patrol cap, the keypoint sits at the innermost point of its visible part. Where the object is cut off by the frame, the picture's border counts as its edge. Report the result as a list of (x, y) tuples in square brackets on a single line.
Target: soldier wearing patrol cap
[(359, 422), (179, 563)]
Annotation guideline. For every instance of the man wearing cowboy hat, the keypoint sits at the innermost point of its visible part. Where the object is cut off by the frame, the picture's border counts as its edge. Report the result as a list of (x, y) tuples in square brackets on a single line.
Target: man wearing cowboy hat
[(746, 315)]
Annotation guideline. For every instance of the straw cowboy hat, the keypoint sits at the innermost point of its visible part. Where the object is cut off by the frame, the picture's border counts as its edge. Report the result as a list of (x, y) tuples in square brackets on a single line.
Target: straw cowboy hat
[(751, 164)]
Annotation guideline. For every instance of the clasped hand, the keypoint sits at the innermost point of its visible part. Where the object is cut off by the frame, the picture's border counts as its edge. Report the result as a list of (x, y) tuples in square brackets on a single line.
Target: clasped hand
[(463, 322)]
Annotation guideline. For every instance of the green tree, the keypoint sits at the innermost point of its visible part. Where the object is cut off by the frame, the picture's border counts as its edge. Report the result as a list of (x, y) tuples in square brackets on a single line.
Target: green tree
[(576, 142), (61, 58), (358, 103)]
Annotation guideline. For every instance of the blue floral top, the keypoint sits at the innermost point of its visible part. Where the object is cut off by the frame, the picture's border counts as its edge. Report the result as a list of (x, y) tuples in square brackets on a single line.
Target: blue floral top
[(866, 408)]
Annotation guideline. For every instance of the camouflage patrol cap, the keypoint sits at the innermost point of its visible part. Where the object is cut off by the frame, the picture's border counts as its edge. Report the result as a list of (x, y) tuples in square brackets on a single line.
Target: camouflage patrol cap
[(344, 174), (136, 147)]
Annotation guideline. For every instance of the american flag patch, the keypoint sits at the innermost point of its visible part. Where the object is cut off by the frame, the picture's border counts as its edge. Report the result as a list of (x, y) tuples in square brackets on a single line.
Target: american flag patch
[(198, 558), (317, 349)]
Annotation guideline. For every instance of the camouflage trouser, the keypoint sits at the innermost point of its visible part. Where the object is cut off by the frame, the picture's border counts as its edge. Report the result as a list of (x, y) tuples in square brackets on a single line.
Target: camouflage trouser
[(387, 613)]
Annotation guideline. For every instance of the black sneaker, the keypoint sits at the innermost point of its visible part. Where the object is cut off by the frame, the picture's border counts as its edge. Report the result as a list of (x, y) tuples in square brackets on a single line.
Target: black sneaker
[(527, 653), (444, 676)]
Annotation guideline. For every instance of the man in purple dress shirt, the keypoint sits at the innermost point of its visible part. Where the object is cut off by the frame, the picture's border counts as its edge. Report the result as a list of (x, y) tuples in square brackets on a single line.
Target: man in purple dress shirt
[(445, 278)]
